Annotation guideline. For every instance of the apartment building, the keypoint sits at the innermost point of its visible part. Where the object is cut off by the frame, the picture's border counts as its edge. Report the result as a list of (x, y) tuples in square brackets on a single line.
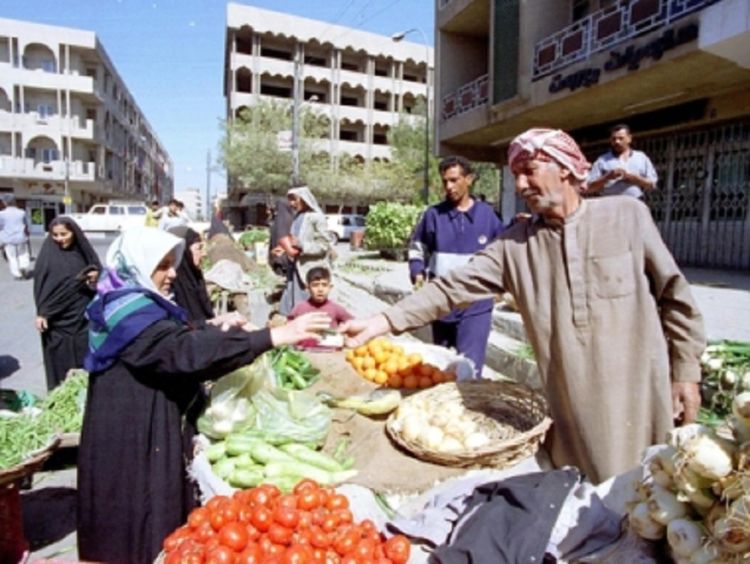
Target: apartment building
[(676, 71), (363, 82), (194, 203), (71, 134)]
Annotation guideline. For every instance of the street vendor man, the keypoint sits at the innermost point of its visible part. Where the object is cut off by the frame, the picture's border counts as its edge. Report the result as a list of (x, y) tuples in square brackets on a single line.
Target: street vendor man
[(616, 333)]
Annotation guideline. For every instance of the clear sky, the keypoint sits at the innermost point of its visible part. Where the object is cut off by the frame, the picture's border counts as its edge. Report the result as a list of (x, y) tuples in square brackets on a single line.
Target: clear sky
[(170, 53)]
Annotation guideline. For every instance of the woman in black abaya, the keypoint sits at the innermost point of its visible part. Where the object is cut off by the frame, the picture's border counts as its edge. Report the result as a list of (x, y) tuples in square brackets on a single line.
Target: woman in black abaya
[(64, 283), (189, 287)]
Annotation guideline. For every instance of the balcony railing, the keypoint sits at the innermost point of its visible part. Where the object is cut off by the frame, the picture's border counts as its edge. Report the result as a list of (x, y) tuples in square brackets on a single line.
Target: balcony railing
[(54, 170), (606, 28), (469, 97)]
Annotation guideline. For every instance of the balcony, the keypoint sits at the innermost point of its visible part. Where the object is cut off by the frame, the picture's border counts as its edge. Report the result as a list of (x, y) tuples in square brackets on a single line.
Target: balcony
[(34, 124), (355, 148), (606, 28), (27, 169), (470, 96)]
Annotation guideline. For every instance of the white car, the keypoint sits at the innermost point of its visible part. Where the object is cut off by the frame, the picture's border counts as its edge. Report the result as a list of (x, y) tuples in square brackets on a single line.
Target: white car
[(111, 217), (341, 226)]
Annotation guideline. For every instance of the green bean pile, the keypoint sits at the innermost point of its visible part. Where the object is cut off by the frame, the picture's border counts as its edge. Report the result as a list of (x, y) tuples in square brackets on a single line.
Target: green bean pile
[(61, 412)]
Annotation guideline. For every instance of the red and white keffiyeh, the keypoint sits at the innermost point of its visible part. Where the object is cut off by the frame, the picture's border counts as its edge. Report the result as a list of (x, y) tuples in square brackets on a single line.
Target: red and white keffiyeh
[(545, 144)]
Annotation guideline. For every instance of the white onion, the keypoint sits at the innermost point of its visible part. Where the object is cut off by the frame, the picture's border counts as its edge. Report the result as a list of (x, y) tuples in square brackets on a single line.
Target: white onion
[(741, 407), (431, 437), (708, 457), (684, 536), (678, 437), (732, 536), (745, 381), (476, 440), (641, 522), (451, 444), (663, 506)]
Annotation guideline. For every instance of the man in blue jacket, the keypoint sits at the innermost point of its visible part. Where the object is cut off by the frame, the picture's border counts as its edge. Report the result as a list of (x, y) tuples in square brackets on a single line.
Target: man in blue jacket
[(446, 237)]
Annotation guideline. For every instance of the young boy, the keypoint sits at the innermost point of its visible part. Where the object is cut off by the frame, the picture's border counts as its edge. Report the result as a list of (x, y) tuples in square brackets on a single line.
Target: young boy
[(319, 285)]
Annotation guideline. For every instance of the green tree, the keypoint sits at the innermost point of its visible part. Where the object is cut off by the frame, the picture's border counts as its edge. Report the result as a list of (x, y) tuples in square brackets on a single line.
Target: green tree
[(250, 150)]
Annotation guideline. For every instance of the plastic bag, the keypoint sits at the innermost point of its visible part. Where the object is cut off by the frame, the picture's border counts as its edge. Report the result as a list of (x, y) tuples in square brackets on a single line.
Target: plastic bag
[(294, 415), (230, 408)]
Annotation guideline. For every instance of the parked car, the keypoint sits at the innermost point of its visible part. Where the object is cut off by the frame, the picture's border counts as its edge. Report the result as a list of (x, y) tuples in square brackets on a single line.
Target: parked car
[(341, 226), (111, 217)]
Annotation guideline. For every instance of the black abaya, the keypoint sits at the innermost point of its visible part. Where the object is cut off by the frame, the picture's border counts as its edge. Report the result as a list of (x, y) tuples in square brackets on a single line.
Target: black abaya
[(61, 294), (281, 227), (131, 460), (189, 287)]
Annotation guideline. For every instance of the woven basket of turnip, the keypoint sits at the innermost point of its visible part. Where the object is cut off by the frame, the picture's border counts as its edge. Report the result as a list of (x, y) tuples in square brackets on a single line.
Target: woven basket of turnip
[(471, 423)]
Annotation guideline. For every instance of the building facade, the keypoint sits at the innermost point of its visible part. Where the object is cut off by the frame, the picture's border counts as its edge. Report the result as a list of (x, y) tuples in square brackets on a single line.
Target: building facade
[(676, 71), (194, 203), (71, 134), (363, 82)]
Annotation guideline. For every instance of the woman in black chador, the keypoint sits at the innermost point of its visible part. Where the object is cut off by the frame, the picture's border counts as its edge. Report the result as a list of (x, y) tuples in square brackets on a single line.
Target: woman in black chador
[(64, 283), (189, 287)]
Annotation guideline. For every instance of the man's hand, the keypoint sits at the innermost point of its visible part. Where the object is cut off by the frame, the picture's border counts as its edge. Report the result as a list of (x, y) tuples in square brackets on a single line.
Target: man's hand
[(307, 326), (418, 281), (41, 324), (357, 332), (686, 401)]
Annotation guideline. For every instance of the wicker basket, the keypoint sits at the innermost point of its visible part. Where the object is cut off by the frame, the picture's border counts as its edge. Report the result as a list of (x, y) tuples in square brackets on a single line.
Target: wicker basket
[(32, 464), (512, 415)]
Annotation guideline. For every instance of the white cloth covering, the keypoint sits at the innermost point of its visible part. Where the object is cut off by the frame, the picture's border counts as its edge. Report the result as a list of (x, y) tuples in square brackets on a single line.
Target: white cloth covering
[(141, 249)]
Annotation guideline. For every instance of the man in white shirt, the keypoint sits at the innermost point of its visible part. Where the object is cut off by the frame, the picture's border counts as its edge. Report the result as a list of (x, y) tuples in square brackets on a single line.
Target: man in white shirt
[(14, 237), (622, 171), (171, 217)]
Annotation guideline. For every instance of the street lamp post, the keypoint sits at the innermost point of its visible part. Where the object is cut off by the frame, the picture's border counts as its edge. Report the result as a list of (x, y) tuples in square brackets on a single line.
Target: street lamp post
[(426, 179)]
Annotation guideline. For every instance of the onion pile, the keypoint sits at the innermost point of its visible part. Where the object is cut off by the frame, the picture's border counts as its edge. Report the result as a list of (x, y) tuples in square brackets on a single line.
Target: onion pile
[(445, 426), (697, 493)]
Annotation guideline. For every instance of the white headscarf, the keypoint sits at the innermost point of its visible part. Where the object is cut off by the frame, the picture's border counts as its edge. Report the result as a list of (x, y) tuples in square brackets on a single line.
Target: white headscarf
[(139, 251), (304, 194)]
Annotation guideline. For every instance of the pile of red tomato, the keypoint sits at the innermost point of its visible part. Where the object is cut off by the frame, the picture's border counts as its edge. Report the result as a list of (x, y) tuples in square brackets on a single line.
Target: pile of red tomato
[(310, 525)]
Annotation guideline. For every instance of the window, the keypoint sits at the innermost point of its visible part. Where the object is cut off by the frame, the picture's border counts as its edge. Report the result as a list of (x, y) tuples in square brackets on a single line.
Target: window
[(45, 110), (48, 65), (99, 210), (275, 54), (316, 61), (350, 66), (381, 106), (116, 210), (349, 101), (136, 210), (359, 221), (49, 155)]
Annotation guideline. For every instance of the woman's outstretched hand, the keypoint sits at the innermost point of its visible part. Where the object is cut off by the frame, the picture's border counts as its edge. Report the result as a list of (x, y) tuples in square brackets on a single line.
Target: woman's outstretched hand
[(308, 326), (357, 332)]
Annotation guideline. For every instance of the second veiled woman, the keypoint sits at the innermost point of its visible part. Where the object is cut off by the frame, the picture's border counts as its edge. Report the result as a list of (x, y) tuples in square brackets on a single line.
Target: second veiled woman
[(311, 246), (189, 287), (64, 284)]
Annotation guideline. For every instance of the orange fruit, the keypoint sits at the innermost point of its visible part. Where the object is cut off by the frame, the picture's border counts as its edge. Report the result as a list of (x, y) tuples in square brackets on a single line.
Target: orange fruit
[(358, 362), (381, 378), (395, 381), (438, 377), (449, 376), (426, 370), (380, 356), (391, 367), (349, 355), (370, 374), (361, 351), (368, 362), (424, 382), (410, 382), (404, 370)]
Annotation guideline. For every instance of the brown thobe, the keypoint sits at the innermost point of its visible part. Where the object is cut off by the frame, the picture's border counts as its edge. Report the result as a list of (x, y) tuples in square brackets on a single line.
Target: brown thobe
[(610, 317)]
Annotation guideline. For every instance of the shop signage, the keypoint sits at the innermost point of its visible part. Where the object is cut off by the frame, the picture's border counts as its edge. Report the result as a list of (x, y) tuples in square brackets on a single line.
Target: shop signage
[(630, 58)]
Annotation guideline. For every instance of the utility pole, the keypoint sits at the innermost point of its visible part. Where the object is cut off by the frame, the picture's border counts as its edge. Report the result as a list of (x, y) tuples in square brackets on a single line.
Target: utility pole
[(207, 214), (296, 95)]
